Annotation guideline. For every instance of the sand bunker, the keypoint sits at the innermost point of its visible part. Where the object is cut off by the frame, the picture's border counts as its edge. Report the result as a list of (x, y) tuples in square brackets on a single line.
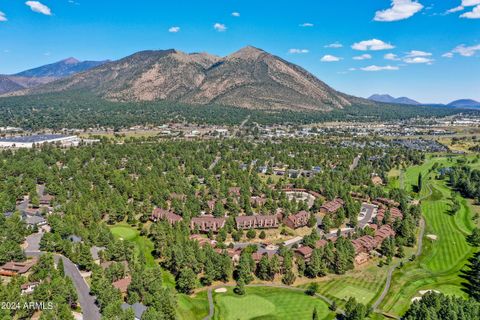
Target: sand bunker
[(221, 290), (432, 237)]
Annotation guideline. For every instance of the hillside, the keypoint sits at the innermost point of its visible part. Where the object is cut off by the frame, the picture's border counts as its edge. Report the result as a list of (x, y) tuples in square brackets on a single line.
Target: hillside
[(465, 103), (44, 74), (249, 78), (386, 98)]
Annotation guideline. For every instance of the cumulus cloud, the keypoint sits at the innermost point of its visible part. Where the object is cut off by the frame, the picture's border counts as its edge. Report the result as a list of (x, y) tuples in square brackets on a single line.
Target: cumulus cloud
[(330, 58), (391, 56), (39, 7), (3, 17), (418, 53), (416, 60), (220, 27), (307, 24), (236, 14), (456, 9), (334, 45), (474, 14), (401, 9), (373, 44), (470, 3), (365, 56), (374, 68), (296, 51), (466, 51), (174, 29)]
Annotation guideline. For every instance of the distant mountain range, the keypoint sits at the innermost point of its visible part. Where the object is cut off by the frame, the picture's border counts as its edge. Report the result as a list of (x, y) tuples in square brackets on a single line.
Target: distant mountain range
[(44, 74), (249, 78), (462, 103), (389, 99)]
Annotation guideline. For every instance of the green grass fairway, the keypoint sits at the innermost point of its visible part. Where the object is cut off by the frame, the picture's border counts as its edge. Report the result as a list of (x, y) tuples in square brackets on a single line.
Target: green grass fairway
[(143, 246), (361, 294), (268, 303), (438, 266), (192, 308)]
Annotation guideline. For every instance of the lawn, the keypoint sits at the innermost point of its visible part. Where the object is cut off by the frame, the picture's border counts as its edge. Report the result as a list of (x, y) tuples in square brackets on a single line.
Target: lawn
[(143, 245), (268, 303), (438, 266), (192, 308)]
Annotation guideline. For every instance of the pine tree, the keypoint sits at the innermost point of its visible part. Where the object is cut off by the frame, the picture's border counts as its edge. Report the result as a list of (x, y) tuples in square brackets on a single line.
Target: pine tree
[(472, 275)]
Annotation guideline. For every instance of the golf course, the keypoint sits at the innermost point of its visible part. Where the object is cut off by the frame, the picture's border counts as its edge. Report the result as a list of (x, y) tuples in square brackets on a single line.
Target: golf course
[(445, 249), (268, 303)]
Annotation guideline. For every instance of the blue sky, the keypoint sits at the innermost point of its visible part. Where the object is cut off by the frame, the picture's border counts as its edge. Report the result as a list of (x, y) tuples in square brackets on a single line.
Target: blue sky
[(427, 50)]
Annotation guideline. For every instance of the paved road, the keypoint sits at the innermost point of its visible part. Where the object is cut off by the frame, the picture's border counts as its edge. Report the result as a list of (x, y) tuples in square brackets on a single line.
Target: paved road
[(214, 163), (87, 302), (212, 306)]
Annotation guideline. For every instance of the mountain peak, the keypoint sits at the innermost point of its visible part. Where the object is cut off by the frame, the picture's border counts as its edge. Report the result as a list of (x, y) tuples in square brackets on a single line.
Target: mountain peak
[(70, 60), (386, 98), (248, 52)]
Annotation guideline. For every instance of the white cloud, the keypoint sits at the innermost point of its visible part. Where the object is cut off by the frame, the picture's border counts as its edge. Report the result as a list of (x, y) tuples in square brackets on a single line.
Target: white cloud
[(416, 60), (365, 56), (474, 14), (465, 51), (470, 3), (296, 51), (447, 55), (334, 45), (236, 14), (3, 17), (307, 24), (174, 29), (220, 27), (391, 56), (330, 58), (352, 69), (374, 68), (418, 53), (456, 9), (39, 7), (401, 9), (373, 44)]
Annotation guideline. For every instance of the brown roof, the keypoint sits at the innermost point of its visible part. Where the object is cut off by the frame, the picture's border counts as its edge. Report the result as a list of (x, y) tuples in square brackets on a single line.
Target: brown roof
[(122, 284), (207, 223), (12, 268), (383, 232), (305, 251), (163, 214), (364, 244), (321, 243), (297, 220), (332, 206), (257, 222)]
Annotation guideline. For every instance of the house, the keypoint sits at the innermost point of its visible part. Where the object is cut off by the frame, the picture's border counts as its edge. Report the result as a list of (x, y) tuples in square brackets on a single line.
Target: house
[(32, 221), (383, 233), (364, 244), (13, 268), (207, 223), (388, 202), (377, 180), (292, 173), (262, 169), (46, 200), (138, 309), (28, 287), (332, 206), (321, 243), (256, 222), (305, 252), (122, 284), (257, 256), (297, 220), (257, 201), (233, 253), (395, 214), (163, 214), (361, 258)]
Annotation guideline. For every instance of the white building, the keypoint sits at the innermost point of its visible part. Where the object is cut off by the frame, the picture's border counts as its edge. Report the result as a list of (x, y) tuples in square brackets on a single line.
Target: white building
[(30, 141)]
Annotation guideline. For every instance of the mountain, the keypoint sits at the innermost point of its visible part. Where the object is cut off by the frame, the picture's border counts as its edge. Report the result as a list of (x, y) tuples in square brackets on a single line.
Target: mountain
[(44, 74), (465, 103), (389, 99), (249, 78), (60, 69)]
